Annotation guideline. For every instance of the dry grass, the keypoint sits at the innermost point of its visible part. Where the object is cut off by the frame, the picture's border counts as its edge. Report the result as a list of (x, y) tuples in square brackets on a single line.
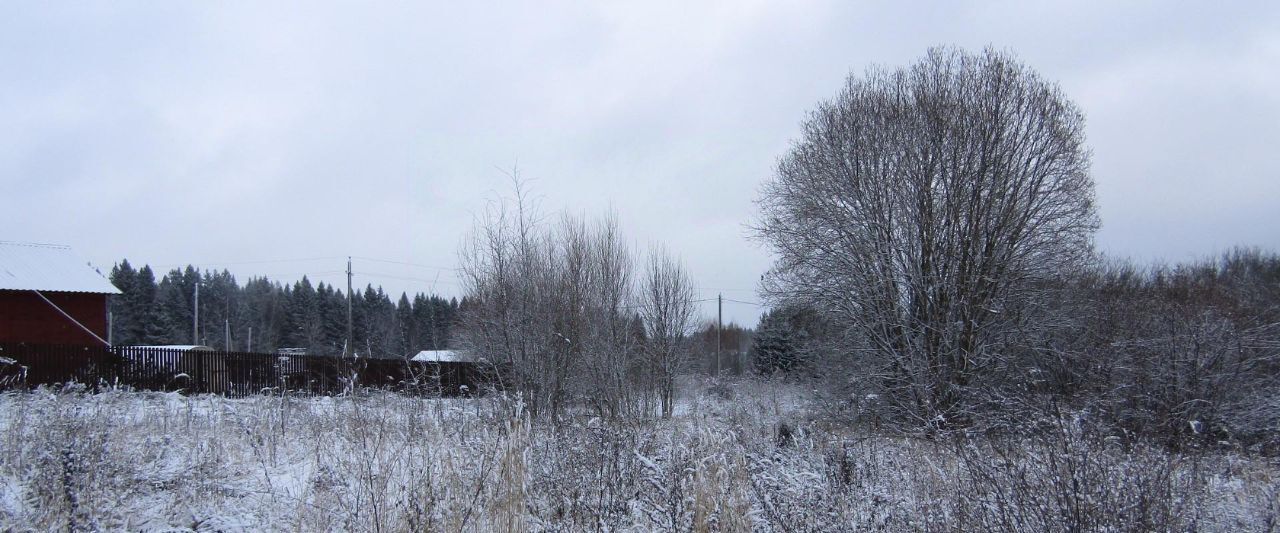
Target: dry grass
[(383, 462)]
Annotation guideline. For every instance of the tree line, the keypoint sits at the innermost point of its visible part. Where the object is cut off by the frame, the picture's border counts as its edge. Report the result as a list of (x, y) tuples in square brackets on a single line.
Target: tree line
[(263, 315)]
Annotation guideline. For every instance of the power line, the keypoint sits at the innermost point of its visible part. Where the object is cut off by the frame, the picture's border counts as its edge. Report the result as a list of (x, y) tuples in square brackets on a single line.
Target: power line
[(258, 262), (637, 306), (723, 289), (405, 263), (437, 268), (302, 260), (280, 277), (404, 278), (309, 274)]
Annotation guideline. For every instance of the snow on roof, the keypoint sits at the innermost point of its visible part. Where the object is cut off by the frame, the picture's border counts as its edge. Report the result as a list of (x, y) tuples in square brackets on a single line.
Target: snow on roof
[(442, 356), (183, 347), (48, 267)]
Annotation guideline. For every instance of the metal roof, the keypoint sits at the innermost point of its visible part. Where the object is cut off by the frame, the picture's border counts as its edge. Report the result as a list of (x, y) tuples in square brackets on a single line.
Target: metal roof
[(48, 267), (442, 356)]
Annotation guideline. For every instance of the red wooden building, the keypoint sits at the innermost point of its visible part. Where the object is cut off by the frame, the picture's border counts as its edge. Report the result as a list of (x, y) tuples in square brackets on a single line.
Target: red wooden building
[(48, 295)]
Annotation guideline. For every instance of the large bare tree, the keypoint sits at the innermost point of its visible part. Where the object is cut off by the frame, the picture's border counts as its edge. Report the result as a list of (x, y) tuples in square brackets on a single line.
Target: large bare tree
[(920, 206)]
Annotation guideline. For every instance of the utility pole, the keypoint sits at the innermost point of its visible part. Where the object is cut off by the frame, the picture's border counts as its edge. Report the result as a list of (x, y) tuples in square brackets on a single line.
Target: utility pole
[(226, 330), (195, 315), (719, 327), (248, 346), (346, 346)]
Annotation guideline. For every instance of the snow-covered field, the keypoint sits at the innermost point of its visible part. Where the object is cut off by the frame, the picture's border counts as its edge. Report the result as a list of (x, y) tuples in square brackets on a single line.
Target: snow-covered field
[(737, 458)]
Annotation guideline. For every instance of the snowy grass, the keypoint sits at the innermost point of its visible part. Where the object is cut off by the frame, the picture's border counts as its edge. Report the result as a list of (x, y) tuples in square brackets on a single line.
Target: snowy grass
[(737, 457)]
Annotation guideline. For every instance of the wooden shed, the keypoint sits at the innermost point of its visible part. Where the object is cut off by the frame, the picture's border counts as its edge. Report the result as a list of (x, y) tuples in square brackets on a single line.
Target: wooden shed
[(48, 295)]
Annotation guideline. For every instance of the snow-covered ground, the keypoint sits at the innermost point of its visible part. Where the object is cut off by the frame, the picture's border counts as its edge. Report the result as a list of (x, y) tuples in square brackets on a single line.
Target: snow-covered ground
[(737, 457)]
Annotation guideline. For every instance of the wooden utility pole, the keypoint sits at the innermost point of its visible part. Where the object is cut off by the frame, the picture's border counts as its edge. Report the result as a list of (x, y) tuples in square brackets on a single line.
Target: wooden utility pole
[(346, 346), (195, 315), (719, 326)]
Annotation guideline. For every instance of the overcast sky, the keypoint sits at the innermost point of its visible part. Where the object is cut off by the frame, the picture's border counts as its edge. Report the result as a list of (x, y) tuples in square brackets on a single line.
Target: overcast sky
[(230, 135)]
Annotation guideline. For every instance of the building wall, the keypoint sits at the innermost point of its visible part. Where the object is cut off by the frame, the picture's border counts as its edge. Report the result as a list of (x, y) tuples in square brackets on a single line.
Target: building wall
[(24, 317)]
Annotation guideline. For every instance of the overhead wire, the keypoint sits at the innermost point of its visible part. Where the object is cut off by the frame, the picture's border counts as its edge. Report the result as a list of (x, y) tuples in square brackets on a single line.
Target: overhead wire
[(405, 263), (402, 278), (255, 262), (723, 289), (383, 275)]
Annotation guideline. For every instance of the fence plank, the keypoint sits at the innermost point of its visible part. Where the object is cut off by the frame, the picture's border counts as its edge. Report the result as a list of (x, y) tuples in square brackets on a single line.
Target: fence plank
[(229, 373)]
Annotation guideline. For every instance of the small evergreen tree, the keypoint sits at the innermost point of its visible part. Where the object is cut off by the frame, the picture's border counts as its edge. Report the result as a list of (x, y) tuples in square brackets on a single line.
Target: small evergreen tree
[(788, 339)]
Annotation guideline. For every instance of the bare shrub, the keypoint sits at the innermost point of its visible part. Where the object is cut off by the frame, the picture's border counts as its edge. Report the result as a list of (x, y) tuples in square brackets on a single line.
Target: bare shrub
[(1184, 354), (1063, 477)]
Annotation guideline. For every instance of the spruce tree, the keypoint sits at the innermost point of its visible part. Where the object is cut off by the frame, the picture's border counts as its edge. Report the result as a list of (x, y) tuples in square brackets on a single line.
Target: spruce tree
[(147, 312), (122, 309), (788, 338), (173, 298), (405, 329)]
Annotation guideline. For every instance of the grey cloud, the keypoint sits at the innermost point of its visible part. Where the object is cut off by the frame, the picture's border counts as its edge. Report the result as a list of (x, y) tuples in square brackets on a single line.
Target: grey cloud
[(175, 133)]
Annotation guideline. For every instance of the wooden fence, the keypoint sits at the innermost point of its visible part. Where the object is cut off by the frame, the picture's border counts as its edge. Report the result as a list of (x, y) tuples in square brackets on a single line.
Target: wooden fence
[(231, 373)]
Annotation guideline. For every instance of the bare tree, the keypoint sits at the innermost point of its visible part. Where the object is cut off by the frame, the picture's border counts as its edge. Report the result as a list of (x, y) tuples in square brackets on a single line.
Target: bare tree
[(553, 305), (666, 303), (594, 269), (505, 267), (920, 206)]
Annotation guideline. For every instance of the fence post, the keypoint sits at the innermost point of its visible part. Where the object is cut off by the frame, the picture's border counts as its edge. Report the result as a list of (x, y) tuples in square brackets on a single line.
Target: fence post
[(201, 376)]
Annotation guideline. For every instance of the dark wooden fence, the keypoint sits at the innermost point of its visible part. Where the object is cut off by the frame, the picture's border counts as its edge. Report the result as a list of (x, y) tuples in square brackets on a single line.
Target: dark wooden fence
[(231, 373)]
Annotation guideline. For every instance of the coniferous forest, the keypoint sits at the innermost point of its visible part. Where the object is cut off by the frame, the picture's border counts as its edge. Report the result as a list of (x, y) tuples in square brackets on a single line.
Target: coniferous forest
[(265, 315)]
